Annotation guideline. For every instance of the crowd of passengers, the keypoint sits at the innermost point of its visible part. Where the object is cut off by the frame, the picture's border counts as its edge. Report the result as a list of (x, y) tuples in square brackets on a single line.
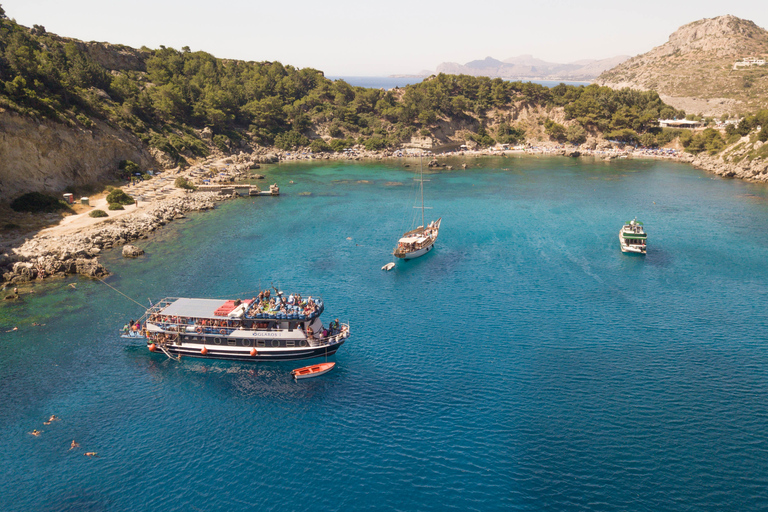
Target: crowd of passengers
[(294, 303)]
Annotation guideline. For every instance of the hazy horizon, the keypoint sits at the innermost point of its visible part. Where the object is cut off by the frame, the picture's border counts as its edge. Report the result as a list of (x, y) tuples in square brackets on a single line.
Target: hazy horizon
[(342, 38)]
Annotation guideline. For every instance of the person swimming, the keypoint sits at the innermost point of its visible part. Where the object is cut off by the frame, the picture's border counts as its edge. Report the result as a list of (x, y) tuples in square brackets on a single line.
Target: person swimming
[(35, 432), (74, 445), (52, 418), (91, 454)]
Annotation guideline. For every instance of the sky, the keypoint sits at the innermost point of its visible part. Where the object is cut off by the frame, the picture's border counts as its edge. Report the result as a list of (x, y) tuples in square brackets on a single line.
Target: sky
[(365, 38)]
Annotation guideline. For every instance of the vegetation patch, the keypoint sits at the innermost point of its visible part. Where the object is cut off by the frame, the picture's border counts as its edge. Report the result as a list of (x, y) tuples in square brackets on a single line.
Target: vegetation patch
[(35, 202), (98, 213), (115, 206), (118, 196), (182, 182)]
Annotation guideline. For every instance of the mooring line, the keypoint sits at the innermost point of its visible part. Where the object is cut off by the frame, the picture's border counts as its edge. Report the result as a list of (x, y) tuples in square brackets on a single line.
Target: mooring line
[(121, 293)]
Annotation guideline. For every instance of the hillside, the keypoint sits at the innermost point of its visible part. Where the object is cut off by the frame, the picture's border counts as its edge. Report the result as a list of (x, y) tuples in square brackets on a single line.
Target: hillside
[(527, 67), (71, 112), (694, 70)]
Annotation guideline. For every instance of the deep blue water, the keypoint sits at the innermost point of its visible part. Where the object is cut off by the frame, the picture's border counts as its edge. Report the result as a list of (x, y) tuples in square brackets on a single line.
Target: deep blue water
[(390, 82), (525, 364)]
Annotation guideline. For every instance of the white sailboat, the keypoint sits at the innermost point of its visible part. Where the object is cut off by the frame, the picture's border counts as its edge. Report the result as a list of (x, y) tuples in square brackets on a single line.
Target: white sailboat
[(421, 240)]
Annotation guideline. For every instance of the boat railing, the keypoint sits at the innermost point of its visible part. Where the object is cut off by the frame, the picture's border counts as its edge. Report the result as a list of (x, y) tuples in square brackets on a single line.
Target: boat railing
[(330, 339), (184, 328)]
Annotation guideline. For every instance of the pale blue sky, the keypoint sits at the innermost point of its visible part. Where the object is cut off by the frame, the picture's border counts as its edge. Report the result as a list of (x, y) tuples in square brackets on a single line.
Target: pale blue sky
[(345, 37)]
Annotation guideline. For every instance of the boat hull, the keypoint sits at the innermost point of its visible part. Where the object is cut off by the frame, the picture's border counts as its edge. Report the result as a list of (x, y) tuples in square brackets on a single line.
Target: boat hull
[(415, 254), (244, 353), (630, 249), (312, 371)]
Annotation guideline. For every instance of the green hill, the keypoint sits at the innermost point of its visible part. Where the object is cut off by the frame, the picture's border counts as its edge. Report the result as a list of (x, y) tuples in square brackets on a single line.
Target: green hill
[(187, 104)]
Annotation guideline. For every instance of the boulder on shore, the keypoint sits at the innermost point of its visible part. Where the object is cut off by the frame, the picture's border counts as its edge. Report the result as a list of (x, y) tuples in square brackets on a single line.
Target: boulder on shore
[(131, 251)]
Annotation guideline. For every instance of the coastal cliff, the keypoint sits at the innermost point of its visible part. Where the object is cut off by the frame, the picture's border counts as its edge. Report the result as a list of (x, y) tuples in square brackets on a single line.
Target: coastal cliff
[(46, 156)]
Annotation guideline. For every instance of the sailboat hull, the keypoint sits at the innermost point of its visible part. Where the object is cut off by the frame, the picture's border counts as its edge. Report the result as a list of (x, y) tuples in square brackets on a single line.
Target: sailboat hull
[(415, 254)]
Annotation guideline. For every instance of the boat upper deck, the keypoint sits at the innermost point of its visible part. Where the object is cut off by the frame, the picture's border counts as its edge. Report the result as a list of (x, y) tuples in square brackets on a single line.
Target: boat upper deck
[(195, 308), (220, 309)]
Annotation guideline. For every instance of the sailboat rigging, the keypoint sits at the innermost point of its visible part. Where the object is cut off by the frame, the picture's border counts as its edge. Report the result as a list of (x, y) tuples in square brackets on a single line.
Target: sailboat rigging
[(421, 240)]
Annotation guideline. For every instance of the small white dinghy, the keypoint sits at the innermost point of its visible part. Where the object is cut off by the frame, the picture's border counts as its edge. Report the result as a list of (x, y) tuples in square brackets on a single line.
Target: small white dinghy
[(312, 371), (388, 266)]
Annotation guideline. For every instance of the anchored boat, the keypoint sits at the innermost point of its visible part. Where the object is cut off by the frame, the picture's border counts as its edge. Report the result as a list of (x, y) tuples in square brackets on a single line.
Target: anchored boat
[(632, 237), (421, 240), (260, 329), (312, 371)]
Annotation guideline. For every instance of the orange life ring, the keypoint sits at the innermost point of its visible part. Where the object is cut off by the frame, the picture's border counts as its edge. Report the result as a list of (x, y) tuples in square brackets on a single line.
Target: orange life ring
[(223, 332), (199, 330)]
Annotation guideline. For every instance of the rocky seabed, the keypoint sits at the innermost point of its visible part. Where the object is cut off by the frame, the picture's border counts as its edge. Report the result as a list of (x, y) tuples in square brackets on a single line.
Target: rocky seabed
[(47, 256)]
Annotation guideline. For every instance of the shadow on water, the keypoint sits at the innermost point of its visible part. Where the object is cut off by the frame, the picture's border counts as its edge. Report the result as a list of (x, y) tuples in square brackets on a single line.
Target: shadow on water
[(270, 380), (659, 257)]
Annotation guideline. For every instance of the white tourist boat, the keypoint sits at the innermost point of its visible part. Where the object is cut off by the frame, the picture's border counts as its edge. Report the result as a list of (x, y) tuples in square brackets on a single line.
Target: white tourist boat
[(265, 329), (421, 240), (632, 237)]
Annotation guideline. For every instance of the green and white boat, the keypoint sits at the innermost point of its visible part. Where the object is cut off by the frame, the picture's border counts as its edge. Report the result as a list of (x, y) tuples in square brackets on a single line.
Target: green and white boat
[(632, 237)]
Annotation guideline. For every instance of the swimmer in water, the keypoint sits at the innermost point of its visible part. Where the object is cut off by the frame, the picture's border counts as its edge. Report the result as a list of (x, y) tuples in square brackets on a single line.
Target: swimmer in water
[(74, 445), (35, 433), (52, 418), (91, 454)]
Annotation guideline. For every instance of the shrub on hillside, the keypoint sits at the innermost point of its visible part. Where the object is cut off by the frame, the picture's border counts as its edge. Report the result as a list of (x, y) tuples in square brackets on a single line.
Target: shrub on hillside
[(115, 206), (556, 131), (128, 166), (182, 182), (709, 140), (98, 213), (117, 196), (626, 135), (319, 146), (375, 144), (35, 202), (341, 144), (575, 134)]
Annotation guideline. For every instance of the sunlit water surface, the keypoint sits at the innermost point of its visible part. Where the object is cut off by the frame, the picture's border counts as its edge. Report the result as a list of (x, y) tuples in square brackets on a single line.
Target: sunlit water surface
[(524, 364)]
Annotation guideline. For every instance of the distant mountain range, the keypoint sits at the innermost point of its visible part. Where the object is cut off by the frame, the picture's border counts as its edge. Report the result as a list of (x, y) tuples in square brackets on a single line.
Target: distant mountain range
[(527, 67)]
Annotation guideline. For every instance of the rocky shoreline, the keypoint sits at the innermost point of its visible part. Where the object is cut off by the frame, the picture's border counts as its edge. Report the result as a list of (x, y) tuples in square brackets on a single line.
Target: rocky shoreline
[(45, 256), (57, 255)]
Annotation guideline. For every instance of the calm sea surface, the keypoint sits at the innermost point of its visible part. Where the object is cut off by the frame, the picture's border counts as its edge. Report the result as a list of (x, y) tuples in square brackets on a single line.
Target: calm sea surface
[(525, 364)]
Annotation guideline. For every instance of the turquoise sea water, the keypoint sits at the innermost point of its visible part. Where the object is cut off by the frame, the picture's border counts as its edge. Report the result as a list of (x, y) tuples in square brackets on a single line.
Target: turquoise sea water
[(525, 364)]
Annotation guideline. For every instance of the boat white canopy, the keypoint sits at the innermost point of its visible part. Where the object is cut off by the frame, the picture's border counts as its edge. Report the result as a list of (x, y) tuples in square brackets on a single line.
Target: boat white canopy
[(194, 308), (412, 239)]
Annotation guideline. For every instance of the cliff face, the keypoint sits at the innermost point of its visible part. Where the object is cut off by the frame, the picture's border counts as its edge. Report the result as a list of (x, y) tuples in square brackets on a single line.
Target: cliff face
[(697, 63), (46, 156)]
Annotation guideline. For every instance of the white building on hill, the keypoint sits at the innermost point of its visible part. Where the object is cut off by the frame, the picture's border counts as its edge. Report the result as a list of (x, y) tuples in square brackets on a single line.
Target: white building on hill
[(748, 62)]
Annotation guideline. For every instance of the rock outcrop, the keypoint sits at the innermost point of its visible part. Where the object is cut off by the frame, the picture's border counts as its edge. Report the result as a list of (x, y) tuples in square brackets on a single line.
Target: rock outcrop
[(44, 156), (131, 251), (694, 69), (48, 255)]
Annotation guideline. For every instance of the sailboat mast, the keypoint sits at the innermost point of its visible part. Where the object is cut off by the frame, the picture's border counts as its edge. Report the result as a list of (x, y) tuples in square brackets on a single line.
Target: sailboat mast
[(421, 169)]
